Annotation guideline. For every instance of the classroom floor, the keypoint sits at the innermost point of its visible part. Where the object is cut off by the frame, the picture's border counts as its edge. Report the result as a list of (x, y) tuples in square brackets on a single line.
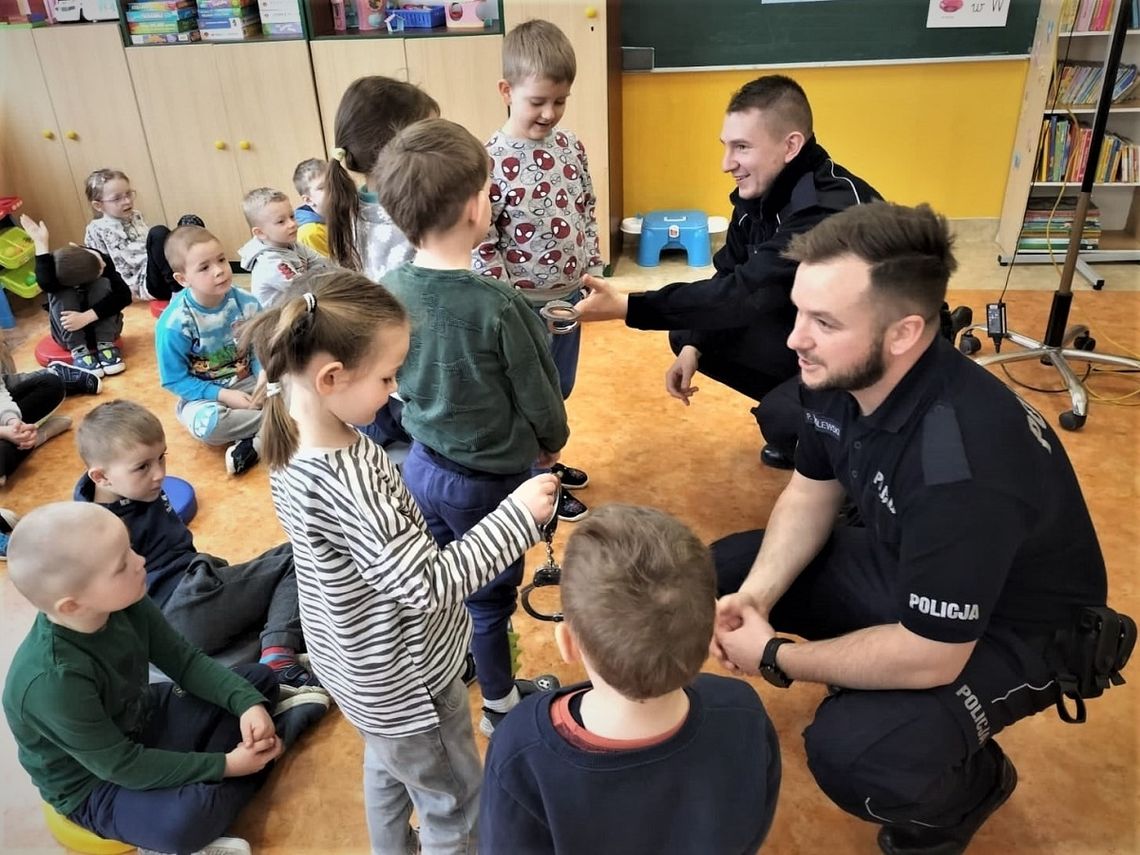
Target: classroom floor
[(1079, 786)]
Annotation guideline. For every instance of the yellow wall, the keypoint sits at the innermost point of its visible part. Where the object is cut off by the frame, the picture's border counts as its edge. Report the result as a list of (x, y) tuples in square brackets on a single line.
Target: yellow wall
[(940, 133)]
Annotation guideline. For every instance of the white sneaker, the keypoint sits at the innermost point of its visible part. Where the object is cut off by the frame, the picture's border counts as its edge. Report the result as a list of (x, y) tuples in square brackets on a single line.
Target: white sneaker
[(221, 846)]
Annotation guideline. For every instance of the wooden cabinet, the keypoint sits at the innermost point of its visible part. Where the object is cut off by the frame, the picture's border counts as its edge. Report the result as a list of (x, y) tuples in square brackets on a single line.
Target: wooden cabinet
[(222, 120), (462, 74), (593, 111), (338, 62), (58, 127)]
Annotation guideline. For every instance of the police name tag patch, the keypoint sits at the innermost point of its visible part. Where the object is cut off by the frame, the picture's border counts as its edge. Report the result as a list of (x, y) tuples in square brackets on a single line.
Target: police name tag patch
[(822, 424), (943, 609)]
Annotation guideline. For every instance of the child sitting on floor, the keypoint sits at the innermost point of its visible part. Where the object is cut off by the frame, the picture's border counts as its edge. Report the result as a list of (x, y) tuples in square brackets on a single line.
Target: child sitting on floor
[(273, 256), (309, 181)]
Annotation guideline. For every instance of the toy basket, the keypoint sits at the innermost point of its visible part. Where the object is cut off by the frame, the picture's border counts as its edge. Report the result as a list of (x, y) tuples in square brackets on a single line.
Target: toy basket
[(422, 19)]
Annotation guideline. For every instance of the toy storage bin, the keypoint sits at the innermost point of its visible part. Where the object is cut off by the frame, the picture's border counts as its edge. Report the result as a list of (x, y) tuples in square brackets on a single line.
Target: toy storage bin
[(422, 19)]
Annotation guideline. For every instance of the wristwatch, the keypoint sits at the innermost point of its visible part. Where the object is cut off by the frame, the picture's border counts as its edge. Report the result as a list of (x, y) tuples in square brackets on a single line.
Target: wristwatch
[(769, 670)]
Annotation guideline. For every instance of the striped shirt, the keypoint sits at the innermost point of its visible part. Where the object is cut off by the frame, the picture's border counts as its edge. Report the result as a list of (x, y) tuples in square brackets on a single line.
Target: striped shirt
[(381, 603)]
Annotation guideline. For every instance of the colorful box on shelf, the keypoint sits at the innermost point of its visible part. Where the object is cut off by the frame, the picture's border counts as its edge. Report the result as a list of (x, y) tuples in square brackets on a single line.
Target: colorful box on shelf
[(162, 5), (148, 27), (465, 15), (420, 17), (279, 11), (165, 38), (203, 5), (139, 16), (240, 29)]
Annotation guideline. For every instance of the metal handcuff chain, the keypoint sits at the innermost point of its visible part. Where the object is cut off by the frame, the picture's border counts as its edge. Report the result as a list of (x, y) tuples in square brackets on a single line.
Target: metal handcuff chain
[(546, 575)]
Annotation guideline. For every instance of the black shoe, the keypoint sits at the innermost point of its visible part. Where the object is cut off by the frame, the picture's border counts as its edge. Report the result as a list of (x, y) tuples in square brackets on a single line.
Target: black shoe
[(241, 456), (297, 678), (570, 507), (76, 380), (542, 683), (571, 478), (297, 713), (191, 220), (469, 676), (777, 458), (922, 840)]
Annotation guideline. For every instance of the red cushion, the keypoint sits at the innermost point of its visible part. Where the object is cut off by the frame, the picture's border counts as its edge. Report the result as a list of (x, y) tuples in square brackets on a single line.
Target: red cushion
[(157, 306), (49, 350)]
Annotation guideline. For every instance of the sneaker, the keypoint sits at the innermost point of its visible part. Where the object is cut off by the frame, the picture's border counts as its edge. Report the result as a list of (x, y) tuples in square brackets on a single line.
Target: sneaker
[(542, 683), (221, 846), (191, 220), (111, 358), (83, 358), (76, 380), (469, 676), (297, 713), (571, 478), (570, 507), (924, 840), (297, 678), (241, 456)]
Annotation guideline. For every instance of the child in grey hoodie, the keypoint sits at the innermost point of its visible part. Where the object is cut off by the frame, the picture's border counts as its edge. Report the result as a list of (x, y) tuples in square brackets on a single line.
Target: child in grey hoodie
[(272, 255)]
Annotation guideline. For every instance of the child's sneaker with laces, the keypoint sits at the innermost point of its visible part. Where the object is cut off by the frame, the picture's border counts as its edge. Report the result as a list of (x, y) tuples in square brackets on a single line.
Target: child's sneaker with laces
[(542, 683), (241, 456), (297, 678), (111, 359), (221, 846), (571, 478), (76, 380), (83, 358), (570, 507), (297, 713)]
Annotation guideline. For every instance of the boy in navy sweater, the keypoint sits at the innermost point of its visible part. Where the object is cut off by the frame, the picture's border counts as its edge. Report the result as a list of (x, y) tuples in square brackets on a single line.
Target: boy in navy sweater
[(648, 756), (212, 603)]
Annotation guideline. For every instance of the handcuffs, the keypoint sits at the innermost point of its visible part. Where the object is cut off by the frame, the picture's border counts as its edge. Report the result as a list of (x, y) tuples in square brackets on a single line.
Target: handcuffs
[(548, 574), (561, 317)]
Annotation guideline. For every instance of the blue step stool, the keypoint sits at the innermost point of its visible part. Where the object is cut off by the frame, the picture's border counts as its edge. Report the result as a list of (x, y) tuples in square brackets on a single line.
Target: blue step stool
[(182, 497), (687, 230)]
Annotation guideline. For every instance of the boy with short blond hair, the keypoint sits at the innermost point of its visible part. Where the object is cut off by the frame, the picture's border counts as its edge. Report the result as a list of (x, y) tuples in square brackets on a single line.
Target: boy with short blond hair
[(163, 768), (309, 182), (544, 231), (199, 356), (657, 756), (214, 604), (480, 390), (273, 256)]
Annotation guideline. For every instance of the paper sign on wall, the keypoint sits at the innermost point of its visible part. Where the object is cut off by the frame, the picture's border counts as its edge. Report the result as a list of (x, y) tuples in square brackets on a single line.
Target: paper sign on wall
[(967, 13)]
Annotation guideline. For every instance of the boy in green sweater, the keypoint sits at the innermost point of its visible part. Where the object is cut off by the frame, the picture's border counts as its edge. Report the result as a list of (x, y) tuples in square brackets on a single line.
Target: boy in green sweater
[(481, 394), (162, 767)]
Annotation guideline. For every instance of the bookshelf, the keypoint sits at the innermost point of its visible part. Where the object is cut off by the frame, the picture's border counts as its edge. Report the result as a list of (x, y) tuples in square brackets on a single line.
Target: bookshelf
[(1046, 164)]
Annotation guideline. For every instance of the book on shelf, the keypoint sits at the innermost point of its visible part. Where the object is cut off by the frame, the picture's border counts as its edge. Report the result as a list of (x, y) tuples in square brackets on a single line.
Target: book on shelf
[(1048, 224), (165, 38), (1062, 154), (1077, 83), (1095, 16)]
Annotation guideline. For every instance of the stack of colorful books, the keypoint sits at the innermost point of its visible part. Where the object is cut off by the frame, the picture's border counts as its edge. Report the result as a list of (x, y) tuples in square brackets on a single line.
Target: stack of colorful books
[(1045, 228), (228, 20), (162, 21)]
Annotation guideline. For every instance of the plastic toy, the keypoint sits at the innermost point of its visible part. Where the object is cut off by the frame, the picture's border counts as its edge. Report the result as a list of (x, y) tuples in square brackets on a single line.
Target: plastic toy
[(77, 838), (49, 350), (157, 307), (182, 497)]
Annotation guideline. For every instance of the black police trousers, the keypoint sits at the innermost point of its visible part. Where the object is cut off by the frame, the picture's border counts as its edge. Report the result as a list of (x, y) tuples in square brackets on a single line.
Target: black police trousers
[(897, 756)]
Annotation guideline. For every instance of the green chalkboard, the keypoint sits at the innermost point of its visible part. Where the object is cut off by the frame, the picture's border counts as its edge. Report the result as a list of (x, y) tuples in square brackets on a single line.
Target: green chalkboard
[(711, 33)]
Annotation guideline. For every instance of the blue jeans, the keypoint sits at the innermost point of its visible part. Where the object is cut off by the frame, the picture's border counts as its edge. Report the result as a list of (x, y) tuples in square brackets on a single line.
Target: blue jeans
[(453, 499), (180, 819), (565, 349), (438, 772)]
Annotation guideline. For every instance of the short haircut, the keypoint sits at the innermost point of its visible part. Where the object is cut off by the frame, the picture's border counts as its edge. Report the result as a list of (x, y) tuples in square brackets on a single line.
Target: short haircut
[(48, 550), (75, 266), (909, 250), (780, 98), (638, 593), (180, 241), (256, 201), (428, 173), (538, 49), (114, 428), (307, 173)]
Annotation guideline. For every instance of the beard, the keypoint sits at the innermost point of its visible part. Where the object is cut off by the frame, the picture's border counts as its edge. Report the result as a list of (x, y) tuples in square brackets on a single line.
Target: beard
[(866, 373)]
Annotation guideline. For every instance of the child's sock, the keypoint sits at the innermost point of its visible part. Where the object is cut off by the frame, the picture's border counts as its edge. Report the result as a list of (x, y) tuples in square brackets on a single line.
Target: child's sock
[(278, 658), (504, 704)]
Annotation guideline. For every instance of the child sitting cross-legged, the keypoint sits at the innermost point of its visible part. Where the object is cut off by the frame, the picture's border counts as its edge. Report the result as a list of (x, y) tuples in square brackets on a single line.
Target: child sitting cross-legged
[(214, 604), (163, 768), (650, 756), (381, 601), (199, 358), (273, 256), (309, 181)]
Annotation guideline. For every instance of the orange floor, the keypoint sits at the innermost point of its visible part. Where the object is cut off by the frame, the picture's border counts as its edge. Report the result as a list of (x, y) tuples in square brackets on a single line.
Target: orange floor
[(1079, 785)]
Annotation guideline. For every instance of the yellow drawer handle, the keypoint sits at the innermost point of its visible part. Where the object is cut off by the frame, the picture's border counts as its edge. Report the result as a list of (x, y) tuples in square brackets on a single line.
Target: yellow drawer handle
[(244, 145), (73, 135), (48, 135), (591, 12), (220, 145)]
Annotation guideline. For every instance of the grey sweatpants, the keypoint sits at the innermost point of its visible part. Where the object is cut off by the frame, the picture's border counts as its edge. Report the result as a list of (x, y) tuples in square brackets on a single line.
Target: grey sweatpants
[(216, 424)]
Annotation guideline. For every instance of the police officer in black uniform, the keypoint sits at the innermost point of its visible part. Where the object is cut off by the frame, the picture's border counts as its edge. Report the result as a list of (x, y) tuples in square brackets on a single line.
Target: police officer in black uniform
[(734, 326), (931, 622)]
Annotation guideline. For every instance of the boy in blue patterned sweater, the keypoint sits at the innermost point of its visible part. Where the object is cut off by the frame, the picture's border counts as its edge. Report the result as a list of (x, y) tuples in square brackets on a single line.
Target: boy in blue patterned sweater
[(218, 383)]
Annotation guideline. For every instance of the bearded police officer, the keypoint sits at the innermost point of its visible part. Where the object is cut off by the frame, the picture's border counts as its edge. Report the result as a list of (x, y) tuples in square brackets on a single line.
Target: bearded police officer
[(932, 621)]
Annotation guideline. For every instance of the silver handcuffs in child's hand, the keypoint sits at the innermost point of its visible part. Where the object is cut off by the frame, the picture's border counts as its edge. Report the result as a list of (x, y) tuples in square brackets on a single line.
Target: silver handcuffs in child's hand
[(561, 317), (548, 574)]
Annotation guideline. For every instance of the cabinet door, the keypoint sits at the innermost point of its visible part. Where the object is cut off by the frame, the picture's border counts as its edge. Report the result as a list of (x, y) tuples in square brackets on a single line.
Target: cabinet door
[(103, 132), (179, 94), (336, 63), (588, 106), (272, 109), (33, 164), (462, 74)]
